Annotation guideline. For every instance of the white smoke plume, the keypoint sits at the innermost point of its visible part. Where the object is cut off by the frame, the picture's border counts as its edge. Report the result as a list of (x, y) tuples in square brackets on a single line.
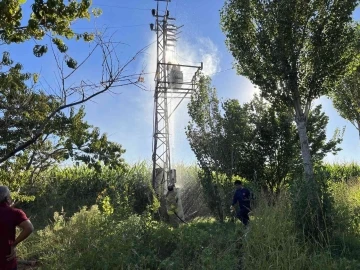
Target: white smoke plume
[(186, 53)]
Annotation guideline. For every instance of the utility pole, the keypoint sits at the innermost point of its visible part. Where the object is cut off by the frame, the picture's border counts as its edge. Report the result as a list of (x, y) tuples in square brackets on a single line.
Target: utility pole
[(169, 80)]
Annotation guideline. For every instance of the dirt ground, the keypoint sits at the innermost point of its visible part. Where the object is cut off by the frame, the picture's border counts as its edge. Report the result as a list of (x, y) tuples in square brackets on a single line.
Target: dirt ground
[(27, 265)]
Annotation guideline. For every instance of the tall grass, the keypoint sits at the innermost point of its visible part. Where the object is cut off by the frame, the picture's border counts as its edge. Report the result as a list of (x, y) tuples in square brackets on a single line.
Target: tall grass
[(92, 237), (68, 190), (343, 172), (92, 240), (346, 219), (273, 242)]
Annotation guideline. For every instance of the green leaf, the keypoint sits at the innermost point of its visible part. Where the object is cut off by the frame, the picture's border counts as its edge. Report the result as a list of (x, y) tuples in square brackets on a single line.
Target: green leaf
[(60, 45), (97, 12), (88, 37), (35, 77), (40, 50), (71, 63)]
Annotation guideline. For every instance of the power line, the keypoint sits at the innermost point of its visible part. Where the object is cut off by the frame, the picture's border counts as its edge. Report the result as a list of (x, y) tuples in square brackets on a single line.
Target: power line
[(220, 71), (124, 7), (120, 26)]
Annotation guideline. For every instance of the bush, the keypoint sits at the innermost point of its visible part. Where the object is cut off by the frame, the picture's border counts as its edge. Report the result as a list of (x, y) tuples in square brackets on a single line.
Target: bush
[(346, 219), (67, 190), (121, 234), (274, 242), (205, 244), (93, 240), (218, 192), (312, 204), (327, 211)]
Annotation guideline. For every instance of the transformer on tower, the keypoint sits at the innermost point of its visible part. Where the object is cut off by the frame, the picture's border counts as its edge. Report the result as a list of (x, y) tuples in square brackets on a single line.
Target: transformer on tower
[(176, 77)]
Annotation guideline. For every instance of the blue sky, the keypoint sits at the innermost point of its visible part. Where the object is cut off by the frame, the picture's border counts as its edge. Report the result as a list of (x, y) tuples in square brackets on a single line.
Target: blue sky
[(127, 115)]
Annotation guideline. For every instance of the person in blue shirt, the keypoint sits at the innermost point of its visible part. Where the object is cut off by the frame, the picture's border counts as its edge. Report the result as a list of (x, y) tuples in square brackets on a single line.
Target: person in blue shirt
[(242, 196)]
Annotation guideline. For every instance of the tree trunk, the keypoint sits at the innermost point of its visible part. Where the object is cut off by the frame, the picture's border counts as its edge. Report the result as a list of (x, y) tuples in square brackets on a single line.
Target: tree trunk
[(218, 200), (305, 148)]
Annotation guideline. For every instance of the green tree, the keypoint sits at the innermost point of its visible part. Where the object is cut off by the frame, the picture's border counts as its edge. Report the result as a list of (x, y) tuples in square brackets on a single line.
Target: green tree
[(205, 136), (206, 127), (256, 141), (29, 114), (346, 98), (293, 50), (73, 141), (346, 94), (272, 146), (24, 111)]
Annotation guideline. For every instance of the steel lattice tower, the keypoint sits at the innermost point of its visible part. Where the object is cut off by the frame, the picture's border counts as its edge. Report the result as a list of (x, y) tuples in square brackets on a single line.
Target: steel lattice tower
[(167, 82)]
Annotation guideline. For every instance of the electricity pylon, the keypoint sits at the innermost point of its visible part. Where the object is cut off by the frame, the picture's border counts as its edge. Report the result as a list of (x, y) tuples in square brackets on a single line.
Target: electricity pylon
[(168, 81)]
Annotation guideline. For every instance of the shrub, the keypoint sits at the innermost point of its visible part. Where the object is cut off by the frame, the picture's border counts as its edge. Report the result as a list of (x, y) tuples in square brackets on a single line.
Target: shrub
[(121, 234), (218, 192), (205, 244), (67, 190), (92, 240), (346, 219), (272, 239), (274, 242)]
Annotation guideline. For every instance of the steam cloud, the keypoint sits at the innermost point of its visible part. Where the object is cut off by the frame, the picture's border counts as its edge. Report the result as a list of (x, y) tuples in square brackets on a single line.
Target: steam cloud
[(202, 50)]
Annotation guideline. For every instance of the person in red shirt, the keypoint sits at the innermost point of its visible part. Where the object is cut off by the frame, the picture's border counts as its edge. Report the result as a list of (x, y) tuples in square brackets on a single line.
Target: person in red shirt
[(10, 218)]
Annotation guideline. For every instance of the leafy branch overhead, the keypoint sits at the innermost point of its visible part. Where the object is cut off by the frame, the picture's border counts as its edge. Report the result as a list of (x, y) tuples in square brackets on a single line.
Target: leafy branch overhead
[(52, 18), (41, 124), (31, 115)]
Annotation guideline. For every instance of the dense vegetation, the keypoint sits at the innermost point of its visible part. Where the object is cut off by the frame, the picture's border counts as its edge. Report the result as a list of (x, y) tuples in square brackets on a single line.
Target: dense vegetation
[(108, 224), (98, 212)]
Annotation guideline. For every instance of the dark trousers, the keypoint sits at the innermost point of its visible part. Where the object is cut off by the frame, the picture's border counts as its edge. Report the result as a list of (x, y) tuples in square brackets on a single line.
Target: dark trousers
[(243, 215)]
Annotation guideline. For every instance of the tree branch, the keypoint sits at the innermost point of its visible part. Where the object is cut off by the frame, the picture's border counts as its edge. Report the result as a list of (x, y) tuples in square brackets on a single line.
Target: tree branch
[(113, 74)]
